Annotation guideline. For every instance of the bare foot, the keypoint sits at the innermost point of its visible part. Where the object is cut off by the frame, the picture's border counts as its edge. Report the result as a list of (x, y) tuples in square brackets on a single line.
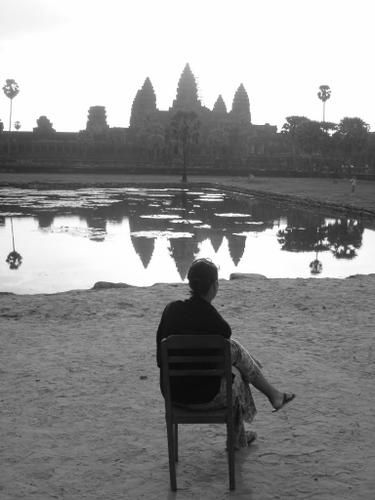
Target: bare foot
[(250, 437)]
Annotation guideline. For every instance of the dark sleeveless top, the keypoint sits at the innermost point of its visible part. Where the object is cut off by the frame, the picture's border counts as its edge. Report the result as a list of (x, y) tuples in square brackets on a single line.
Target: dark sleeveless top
[(194, 316)]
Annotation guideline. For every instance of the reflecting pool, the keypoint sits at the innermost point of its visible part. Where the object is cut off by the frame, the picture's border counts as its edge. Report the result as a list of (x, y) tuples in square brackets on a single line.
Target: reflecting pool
[(70, 239)]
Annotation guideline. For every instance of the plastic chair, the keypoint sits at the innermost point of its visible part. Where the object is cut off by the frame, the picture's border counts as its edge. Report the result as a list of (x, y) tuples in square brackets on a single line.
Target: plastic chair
[(183, 355)]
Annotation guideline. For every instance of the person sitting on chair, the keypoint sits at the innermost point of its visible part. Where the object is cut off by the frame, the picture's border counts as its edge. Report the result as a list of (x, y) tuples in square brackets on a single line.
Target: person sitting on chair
[(197, 315)]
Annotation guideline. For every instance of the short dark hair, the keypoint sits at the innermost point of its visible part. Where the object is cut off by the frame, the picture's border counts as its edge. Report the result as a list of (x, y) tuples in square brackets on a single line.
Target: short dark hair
[(201, 275)]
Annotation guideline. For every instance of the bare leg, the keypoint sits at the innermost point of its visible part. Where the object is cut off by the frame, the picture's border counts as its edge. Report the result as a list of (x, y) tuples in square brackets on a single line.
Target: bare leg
[(247, 371), (252, 374), (274, 396)]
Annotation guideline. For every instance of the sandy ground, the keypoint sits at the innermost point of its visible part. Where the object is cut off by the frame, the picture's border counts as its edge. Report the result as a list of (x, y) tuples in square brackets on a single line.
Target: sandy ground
[(81, 416)]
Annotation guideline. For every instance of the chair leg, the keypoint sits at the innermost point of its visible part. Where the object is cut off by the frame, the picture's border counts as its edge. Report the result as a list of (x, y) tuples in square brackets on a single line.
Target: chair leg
[(171, 454), (176, 442), (230, 441)]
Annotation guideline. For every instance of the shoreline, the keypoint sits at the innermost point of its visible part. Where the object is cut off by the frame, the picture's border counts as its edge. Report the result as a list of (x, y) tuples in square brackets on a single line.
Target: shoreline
[(109, 285)]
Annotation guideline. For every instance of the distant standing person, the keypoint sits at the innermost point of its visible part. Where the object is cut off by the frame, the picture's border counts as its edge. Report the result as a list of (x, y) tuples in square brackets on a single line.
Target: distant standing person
[(353, 182)]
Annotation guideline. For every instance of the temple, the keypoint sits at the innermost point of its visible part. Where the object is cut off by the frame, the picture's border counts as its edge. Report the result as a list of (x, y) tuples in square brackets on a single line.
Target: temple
[(144, 109), (227, 138), (220, 129)]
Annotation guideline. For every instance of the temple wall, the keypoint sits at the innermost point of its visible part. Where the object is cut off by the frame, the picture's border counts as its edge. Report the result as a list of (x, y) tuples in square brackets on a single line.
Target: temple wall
[(117, 152)]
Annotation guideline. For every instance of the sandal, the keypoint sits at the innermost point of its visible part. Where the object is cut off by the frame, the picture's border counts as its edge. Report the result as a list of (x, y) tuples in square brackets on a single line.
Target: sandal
[(287, 398)]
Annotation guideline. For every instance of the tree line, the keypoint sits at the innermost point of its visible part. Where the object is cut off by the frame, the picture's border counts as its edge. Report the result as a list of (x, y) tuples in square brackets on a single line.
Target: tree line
[(349, 140)]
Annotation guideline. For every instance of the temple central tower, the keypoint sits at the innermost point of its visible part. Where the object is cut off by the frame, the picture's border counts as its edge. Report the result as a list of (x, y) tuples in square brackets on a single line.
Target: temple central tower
[(241, 105), (187, 92)]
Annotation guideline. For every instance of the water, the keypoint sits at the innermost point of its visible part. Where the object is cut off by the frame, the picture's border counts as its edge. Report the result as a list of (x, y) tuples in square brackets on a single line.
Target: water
[(70, 239)]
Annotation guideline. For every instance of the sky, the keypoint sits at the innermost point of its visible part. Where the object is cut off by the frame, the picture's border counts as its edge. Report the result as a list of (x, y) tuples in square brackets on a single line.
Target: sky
[(69, 55)]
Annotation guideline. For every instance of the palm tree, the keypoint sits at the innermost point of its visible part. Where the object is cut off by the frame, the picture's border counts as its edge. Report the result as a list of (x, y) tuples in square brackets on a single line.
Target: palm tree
[(324, 94), (14, 259), (316, 267), (11, 89)]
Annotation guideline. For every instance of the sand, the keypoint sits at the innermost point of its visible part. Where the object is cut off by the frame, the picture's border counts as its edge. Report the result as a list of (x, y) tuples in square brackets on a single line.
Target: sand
[(82, 416)]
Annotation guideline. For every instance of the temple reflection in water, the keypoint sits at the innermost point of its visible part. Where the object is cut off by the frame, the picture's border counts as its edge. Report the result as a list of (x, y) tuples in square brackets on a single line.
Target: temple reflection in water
[(185, 219), (183, 223)]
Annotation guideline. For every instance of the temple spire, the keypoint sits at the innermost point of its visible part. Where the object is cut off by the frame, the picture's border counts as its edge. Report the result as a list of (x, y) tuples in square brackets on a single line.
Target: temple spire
[(144, 103), (148, 96), (219, 106), (187, 92), (241, 105)]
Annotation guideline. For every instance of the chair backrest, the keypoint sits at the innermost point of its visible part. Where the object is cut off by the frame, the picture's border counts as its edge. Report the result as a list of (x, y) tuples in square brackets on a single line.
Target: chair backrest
[(195, 355)]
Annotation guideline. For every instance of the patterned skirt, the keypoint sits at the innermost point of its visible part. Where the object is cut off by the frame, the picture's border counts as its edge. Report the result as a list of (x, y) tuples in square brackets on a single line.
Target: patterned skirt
[(245, 368)]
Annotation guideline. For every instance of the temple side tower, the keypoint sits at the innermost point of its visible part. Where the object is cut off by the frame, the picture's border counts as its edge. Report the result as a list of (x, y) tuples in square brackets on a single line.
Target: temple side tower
[(144, 104), (241, 105), (187, 92), (97, 120), (219, 107)]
